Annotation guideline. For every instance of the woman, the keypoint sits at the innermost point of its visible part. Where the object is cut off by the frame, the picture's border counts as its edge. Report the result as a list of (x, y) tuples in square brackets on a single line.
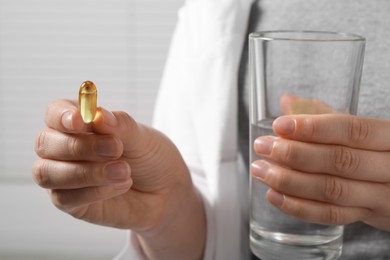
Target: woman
[(192, 204)]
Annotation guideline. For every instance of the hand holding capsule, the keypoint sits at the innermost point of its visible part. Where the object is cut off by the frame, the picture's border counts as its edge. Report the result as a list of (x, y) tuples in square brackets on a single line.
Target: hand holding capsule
[(117, 172)]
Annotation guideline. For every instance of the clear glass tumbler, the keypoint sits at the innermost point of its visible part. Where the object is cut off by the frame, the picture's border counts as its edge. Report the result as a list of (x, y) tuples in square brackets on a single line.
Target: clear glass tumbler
[(316, 72)]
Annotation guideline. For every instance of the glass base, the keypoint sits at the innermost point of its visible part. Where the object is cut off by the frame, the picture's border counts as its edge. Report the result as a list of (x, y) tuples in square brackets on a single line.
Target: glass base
[(267, 248)]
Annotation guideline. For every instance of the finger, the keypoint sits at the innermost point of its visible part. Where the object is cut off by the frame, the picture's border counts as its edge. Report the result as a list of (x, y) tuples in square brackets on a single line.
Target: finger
[(133, 135), (69, 199), (64, 175), (290, 105), (331, 159), (316, 212), (379, 222), (63, 115), (286, 102), (51, 144), (352, 131), (320, 187)]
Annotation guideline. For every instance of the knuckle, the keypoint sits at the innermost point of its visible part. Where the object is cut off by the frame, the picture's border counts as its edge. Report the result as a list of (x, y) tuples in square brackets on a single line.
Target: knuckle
[(287, 152), (40, 144), (280, 181), (343, 160), (75, 149), (59, 199), (309, 128), (126, 119), (359, 130), (368, 214), (83, 175), (81, 213), (119, 147), (295, 208), (96, 192), (298, 211), (132, 130), (333, 215), (41, 173), (334, 191)]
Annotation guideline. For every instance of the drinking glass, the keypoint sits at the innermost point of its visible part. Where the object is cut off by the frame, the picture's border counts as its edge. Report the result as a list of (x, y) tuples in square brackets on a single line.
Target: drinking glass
[(298, 72)]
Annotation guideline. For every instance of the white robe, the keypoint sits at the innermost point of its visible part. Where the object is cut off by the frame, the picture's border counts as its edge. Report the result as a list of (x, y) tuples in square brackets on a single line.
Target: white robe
[(197, 108)]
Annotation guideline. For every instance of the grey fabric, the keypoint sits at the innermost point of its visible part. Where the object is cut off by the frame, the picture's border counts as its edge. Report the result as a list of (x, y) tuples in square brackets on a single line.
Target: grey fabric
[(370, 18)]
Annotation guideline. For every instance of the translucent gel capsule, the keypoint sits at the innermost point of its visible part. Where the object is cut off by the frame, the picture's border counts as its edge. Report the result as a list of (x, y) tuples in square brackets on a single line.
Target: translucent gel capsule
[(88, 101)]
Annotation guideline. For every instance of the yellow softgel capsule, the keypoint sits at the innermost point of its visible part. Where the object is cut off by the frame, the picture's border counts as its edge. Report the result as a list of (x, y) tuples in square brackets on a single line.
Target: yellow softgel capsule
[(88, 101)]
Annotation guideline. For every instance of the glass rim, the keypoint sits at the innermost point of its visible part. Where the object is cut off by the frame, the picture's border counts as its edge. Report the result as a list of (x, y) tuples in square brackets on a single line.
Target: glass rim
[(302, 36)]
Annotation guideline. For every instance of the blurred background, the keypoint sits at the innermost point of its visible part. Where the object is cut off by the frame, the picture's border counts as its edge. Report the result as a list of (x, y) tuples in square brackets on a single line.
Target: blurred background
[(47, 49)]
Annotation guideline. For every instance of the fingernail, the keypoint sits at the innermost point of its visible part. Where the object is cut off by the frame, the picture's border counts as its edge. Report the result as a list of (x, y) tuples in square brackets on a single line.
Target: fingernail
[(106, 147), (123, 185), (259, 169), (117, 171), (66, 120), (263, 145), (275, 198), (284, 125), (110, 119)]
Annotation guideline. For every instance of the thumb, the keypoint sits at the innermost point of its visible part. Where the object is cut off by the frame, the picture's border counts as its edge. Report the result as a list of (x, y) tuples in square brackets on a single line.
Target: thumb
[(132, 134), (290, 105), (155, 161)]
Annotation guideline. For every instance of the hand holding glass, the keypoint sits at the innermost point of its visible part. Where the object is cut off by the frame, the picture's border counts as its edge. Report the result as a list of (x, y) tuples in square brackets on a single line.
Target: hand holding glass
[(295, 72)]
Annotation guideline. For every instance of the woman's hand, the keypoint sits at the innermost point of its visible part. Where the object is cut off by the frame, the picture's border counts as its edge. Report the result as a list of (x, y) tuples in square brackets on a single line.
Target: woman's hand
[(119, 173), (328, 169)]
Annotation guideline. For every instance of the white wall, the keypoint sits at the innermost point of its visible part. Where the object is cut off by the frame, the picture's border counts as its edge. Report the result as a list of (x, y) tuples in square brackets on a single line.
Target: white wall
[(47, 49)]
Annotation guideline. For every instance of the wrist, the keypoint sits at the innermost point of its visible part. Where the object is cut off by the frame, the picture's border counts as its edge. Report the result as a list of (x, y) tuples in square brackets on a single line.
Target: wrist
[(181, 231)]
